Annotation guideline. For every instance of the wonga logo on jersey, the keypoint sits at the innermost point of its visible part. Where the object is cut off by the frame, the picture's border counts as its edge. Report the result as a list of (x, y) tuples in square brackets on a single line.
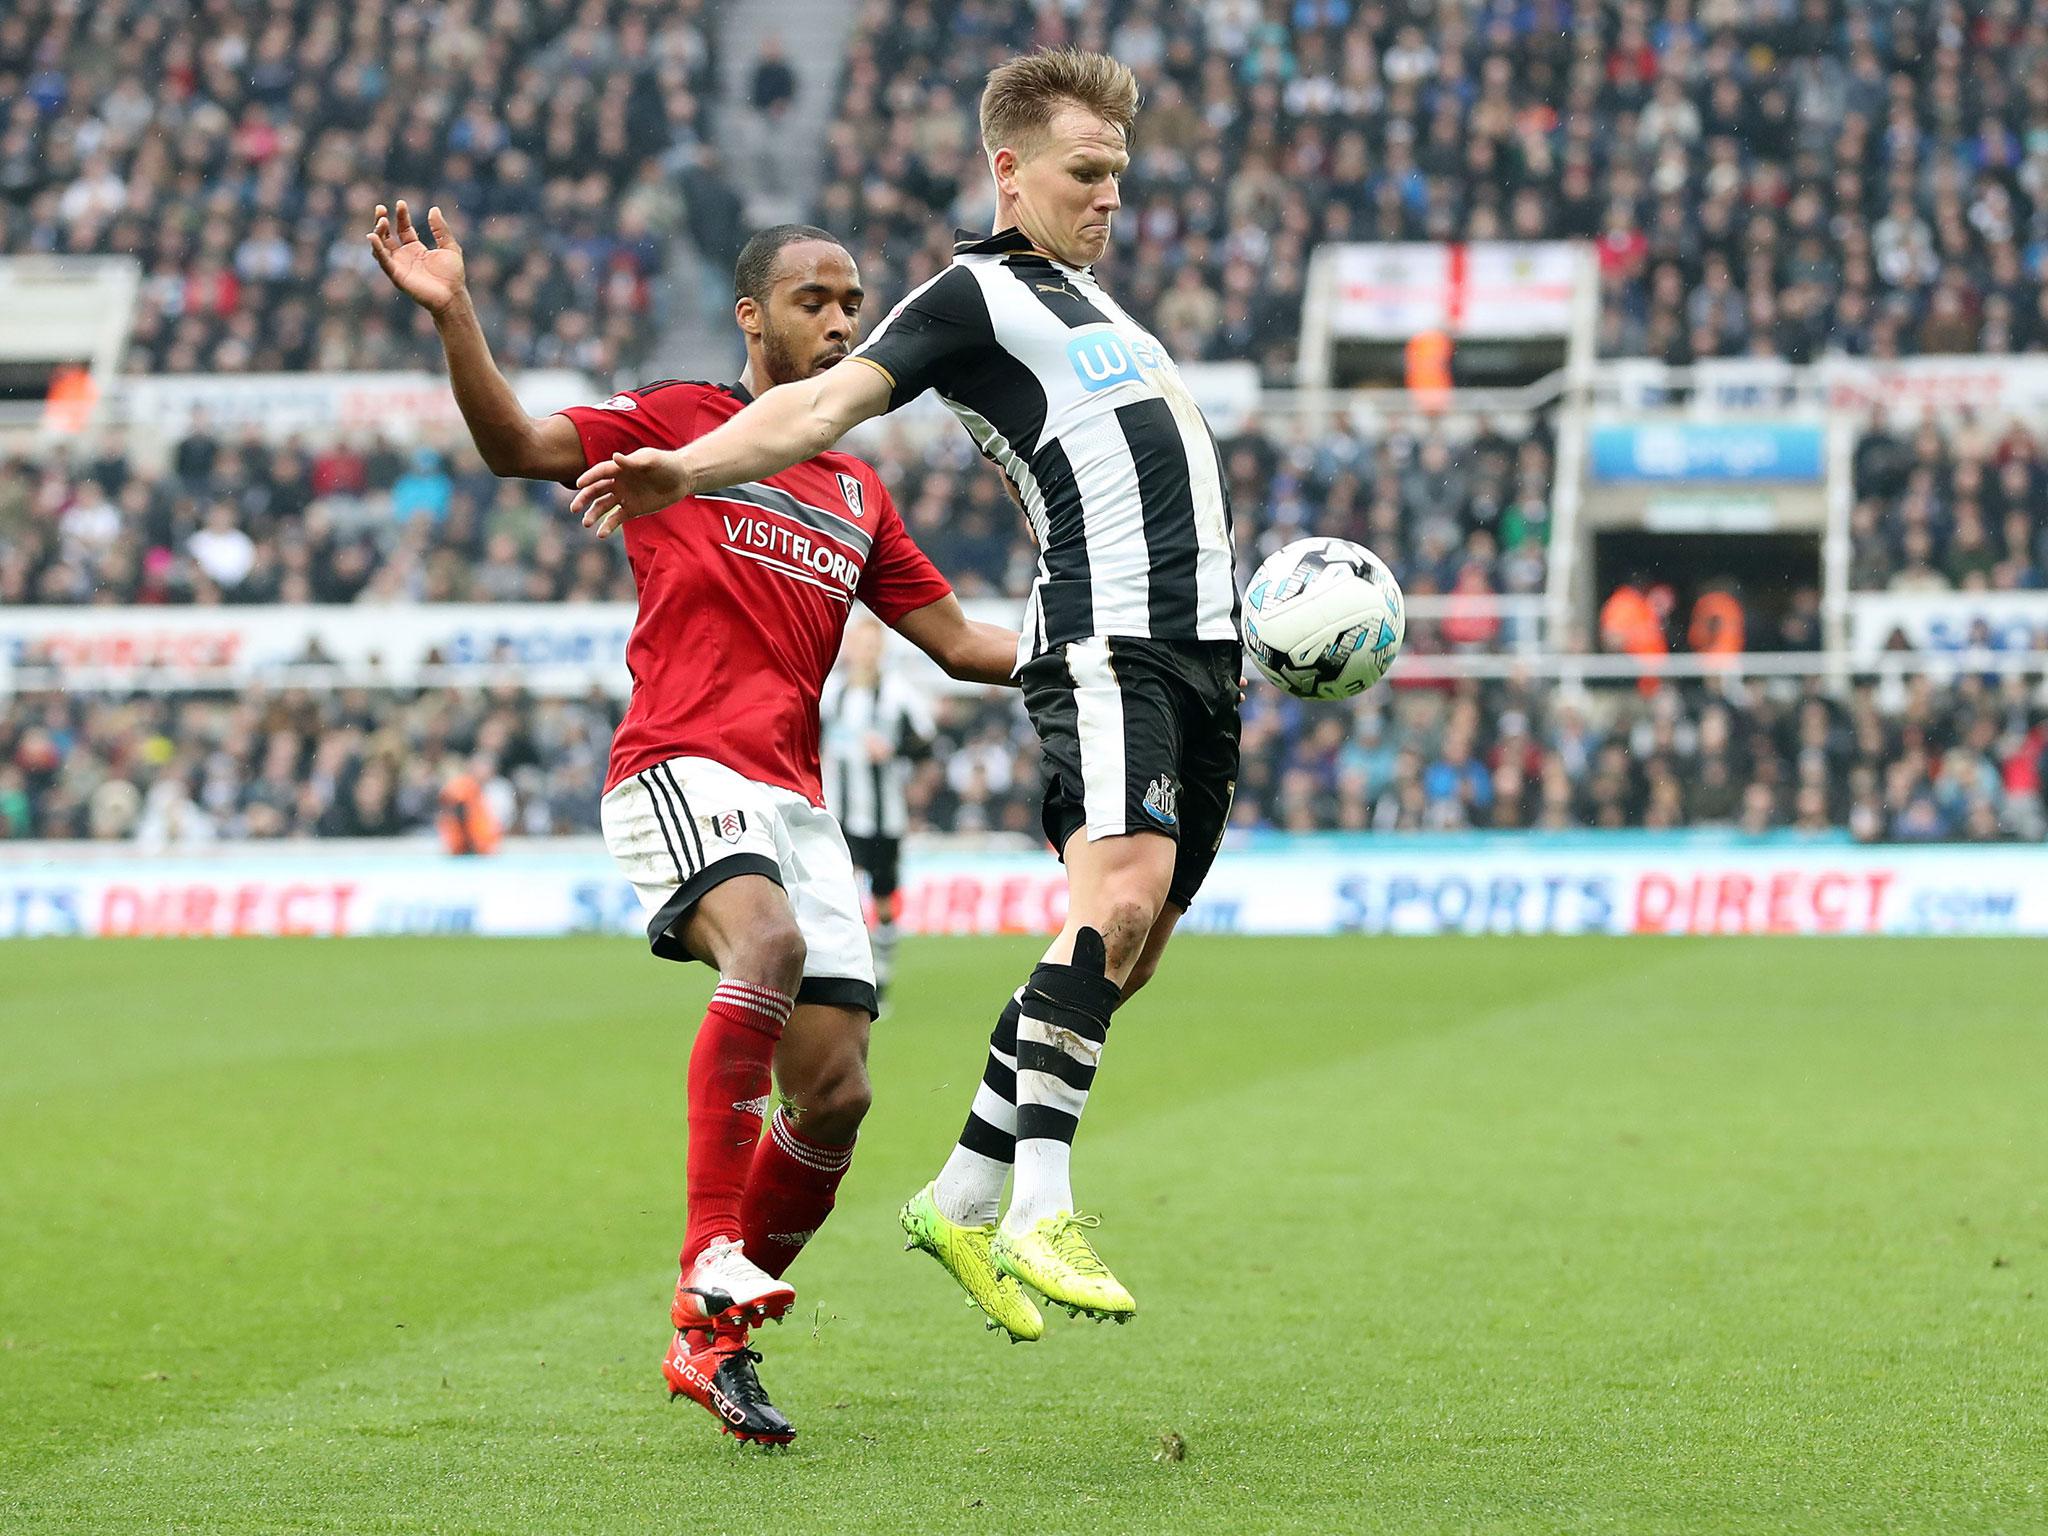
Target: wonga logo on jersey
[(1102, 359)]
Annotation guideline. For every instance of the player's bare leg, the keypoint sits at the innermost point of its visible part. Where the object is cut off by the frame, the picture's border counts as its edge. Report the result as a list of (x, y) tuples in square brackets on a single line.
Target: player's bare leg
[(1147, 965)]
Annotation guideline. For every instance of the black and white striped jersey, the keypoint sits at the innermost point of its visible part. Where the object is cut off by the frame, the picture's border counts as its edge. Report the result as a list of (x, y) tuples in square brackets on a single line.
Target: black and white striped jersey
[(1082, 409), (866, 792)]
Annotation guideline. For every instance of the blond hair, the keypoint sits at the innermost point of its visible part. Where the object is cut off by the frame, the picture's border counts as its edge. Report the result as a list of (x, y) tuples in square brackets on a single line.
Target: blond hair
[(1018, 103)]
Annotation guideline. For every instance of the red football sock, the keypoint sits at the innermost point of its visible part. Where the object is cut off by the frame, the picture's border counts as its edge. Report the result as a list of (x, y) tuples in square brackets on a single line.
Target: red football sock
[(789, 1193), (730, 1082)]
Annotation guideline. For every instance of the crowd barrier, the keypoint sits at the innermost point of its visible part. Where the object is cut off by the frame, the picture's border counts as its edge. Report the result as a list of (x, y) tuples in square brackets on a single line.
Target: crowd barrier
[(1564, 884)]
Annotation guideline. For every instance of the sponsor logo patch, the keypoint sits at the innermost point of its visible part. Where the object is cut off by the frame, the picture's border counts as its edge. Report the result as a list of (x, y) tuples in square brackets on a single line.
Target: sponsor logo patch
[(1101, 361)]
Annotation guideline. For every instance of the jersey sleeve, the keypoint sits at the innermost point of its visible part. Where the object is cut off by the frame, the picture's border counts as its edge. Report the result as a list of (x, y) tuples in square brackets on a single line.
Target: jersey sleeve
[(898, 578), (653, 416), (927, 340)]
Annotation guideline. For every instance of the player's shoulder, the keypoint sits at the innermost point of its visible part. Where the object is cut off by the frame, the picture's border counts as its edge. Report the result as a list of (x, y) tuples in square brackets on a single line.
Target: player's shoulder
[(681, 391), (678, 409), (665, 397), (954, 292)]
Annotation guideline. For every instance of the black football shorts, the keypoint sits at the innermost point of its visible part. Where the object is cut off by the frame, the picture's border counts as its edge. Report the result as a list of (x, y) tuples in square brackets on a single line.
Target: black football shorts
[(1139, 736)]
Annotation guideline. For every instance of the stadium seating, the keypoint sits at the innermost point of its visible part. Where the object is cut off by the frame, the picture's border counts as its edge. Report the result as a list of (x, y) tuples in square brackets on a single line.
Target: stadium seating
[(1760, 180), (239, 163), (1898, 761), (248, 521), (1938, 510)]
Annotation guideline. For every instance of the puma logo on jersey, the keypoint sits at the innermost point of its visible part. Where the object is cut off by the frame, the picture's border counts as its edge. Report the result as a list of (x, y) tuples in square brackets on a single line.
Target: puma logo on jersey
[(849, 487)]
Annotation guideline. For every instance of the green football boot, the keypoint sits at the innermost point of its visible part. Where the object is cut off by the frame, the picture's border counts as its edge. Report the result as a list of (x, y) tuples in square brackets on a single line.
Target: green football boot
[(964, 1253), (1056, 1260)]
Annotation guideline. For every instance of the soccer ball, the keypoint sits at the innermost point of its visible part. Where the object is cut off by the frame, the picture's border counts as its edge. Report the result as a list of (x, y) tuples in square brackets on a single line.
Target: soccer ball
[(1323, 618)]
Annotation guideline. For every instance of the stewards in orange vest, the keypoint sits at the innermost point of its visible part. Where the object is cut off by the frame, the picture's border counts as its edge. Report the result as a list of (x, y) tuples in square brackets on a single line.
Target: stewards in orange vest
[(467, 824)]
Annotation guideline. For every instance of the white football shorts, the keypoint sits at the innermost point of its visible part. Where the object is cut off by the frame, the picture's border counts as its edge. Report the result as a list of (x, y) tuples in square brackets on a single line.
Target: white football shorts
[(682, 827)]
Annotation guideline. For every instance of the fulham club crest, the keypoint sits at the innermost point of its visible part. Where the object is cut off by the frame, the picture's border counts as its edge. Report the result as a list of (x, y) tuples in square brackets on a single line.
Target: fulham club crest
[(729, 825), (850, 489)]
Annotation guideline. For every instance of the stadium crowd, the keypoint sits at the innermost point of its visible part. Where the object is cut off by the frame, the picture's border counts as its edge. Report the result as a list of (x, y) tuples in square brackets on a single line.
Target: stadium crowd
[(239, 520), (1899, 760), (1770, 180), (1773, 180), (235, 151), (1939, 510)]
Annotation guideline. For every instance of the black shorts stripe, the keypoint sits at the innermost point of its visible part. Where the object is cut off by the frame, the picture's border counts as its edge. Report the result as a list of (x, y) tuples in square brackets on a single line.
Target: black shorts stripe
[(659, 804), (1167, 502), (1036, 1056), (661, 935), (689, 822), (839, 992)]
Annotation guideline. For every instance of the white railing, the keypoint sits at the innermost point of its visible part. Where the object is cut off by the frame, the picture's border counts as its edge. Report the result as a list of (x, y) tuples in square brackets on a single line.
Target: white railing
[(1414, 667), (1838, 670), (560, 650)]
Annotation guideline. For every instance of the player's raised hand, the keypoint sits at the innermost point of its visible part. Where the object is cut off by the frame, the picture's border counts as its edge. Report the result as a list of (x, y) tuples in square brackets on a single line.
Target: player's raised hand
[(629, 485), (430, 275)]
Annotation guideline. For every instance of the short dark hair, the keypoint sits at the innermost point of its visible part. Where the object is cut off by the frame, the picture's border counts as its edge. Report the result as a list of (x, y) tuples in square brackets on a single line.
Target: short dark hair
[(754, 272)]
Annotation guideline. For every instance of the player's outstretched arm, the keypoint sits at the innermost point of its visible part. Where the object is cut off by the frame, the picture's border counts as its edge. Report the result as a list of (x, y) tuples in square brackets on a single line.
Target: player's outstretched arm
[(510, 441), (788, 424), (966, 648)]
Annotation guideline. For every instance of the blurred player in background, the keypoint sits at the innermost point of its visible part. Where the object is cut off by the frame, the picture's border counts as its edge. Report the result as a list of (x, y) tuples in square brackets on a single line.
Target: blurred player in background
[(713, 805), (876, 726), (1130, 658)]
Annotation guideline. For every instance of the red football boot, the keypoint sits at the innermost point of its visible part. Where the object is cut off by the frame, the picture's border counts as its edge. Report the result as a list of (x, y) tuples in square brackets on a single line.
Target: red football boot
[(718, 1372)]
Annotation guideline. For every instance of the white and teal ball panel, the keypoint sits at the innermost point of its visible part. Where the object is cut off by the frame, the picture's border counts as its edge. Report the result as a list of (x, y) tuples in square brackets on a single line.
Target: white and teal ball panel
[(1323, 618)]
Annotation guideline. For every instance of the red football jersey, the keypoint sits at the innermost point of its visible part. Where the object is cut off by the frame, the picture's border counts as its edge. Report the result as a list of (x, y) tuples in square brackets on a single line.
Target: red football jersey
[(745, 592)]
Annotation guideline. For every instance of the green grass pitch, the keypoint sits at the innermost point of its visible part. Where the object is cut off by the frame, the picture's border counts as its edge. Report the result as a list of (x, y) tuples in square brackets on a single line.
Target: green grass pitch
[(1459, 1235)]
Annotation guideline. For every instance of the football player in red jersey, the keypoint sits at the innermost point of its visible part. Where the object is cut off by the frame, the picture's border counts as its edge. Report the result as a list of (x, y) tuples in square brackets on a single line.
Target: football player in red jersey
[(713, 805)]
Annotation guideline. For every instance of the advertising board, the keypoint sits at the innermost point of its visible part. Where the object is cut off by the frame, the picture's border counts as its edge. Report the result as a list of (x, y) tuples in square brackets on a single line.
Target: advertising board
[(1570, 885)]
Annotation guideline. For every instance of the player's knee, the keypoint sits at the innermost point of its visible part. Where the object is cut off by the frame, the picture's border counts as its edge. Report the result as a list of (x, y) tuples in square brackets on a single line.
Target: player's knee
[(831, 1109), (771, 955), (1126, 922)]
